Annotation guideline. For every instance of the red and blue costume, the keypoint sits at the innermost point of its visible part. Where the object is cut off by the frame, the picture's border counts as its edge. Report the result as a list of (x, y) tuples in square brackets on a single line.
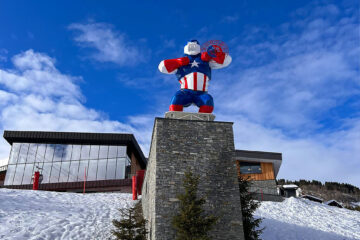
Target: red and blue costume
[(193, 72)]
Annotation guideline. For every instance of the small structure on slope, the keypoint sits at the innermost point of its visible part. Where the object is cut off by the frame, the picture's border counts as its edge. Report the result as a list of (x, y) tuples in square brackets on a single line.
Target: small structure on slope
[(290, 190), (334, 203), (313, 198)]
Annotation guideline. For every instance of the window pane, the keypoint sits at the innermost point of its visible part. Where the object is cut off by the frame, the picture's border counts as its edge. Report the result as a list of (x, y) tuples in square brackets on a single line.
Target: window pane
[(120, 168), (101, 171), (15, 149), (19, 174), (94, 152), (92, 170), (110, 169), (46, 169), (32, 153), (249, 167), (112, 151), (49, 154), (67, 153), (103, 151), (23, 152), (82, 167), (40, 153), (10, 175), (28, 174), (55, 172), (121, 152), (76, 152), (64, 172), (85, 152), (59, 150), (74, 168)]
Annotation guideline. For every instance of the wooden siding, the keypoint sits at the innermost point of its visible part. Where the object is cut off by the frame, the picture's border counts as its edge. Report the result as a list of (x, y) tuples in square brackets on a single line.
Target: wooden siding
[(267, 172), (135, 165)]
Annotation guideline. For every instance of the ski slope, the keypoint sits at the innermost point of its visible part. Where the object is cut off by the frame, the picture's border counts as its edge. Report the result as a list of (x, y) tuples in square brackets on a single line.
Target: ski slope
[(35, 215), (296, 219), (39, 215)]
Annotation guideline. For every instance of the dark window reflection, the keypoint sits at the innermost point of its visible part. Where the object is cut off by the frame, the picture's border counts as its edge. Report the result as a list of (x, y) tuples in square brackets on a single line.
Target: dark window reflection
[(250, 167)]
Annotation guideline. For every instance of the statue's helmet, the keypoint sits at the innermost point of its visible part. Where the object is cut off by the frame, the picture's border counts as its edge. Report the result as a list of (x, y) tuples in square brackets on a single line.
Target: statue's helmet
[(192, 47)]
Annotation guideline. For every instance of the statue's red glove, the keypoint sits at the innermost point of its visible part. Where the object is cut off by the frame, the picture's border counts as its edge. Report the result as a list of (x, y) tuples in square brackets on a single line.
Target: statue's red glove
[(173, 64)]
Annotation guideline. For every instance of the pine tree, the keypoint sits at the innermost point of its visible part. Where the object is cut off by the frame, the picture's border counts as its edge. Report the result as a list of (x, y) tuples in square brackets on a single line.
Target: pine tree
[(192, 223), (131, 226), (248, 207)]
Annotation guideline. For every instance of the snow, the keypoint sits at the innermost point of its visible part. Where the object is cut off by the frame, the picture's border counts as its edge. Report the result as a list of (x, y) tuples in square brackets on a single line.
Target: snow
[(30, 215), (40, 215), (296, 219), (290, 186)]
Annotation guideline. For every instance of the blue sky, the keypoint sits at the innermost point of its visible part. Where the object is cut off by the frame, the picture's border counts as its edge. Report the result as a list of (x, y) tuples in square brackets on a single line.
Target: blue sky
[(293, 86)]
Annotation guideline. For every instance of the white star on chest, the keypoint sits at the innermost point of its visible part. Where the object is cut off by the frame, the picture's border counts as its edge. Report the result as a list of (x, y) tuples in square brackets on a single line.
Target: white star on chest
[(194, 64)]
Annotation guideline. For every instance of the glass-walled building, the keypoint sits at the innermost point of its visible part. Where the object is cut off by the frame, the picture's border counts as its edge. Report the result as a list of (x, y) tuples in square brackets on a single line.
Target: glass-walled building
[(67, 159)]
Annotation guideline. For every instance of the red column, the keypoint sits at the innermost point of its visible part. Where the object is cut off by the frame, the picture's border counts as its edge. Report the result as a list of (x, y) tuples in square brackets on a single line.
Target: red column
[(139, 180), (134, 188), (36, 180)]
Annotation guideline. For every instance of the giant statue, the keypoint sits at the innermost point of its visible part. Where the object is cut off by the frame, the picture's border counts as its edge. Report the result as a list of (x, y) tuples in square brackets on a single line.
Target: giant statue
[(193, 72)]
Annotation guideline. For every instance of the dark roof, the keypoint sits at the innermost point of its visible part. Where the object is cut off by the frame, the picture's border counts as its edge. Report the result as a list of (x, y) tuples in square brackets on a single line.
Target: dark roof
[(258, 154), (78, 138)]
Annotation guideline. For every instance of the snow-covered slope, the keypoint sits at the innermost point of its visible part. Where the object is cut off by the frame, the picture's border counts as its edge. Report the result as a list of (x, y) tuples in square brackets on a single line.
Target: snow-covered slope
[(296, 219), (31, 215)]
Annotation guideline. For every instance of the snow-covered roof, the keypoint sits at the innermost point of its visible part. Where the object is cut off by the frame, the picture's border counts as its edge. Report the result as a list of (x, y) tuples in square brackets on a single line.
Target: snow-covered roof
[(289, 186)]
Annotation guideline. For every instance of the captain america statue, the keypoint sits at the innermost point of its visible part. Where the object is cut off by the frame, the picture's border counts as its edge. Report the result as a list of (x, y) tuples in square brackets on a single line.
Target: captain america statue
[(193, 72)]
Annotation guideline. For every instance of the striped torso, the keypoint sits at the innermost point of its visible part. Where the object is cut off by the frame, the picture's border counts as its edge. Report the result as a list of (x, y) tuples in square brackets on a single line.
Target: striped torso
[(196, 75), (196, 81)]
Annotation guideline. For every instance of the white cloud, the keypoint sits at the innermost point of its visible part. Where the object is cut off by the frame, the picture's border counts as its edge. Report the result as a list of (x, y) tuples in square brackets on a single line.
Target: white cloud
[(35, 95), (284, 93), (302, 75), (109, 45)]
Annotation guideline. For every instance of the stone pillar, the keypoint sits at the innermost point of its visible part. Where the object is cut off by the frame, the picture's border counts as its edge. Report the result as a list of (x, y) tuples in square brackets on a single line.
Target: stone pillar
[(207, 148)]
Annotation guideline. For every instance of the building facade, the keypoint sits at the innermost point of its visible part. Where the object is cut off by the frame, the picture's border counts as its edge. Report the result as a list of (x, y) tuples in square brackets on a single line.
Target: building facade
[(261, 168), (65, 160)]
